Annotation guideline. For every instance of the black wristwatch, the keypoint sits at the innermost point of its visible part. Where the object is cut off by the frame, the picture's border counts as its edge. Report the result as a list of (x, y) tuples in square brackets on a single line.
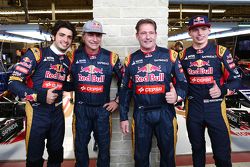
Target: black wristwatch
[(116, 99)]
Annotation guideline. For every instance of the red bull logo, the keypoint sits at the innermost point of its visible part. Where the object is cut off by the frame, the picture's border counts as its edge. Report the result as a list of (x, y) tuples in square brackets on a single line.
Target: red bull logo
[(199, 63), (91, 69), (30, 97), (199, 20), (27, 60), (149, 68), (57, 68)]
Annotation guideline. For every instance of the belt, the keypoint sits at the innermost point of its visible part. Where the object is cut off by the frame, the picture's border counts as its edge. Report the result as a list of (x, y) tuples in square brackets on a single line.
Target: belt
[(90, 104), (150, 108), (211, 100)]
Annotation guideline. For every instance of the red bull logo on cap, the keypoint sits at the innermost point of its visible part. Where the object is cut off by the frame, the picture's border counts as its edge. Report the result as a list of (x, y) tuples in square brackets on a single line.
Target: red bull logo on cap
[(199, 20)]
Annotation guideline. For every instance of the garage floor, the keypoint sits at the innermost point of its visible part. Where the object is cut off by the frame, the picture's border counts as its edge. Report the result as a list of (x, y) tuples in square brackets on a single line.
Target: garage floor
[(239, 160)]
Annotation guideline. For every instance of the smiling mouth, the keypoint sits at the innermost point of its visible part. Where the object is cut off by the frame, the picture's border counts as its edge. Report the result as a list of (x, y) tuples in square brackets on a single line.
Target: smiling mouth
[(147, 42)]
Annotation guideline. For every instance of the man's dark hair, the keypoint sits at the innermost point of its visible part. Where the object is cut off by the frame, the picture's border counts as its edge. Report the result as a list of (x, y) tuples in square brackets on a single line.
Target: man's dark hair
[(145, 21), (63, 24)]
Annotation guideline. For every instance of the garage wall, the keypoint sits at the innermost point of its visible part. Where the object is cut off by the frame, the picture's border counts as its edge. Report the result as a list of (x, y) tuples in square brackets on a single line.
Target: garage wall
[(119, 18)]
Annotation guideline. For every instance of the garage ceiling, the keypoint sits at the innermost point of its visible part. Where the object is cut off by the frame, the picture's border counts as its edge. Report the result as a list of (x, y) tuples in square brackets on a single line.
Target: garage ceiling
[(232, 11)]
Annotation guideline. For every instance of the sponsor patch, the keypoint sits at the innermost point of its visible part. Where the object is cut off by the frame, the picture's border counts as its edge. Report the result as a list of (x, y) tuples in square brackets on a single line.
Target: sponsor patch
[(190, 57), (200, 71), (30, 97), (27, 60), (160, 60), (22, 69), (150, 89), (57, 68), (81, 61), (199, 51), (149, 68), (91, 78), (57, 76), (199, 63), (201, 80), (49, 59), (103, 63), (91, 69), (52, 84), (149, 78), (90, 88), (148, 55), (209, 56), (16, 73), (25, 64), (140, 61)]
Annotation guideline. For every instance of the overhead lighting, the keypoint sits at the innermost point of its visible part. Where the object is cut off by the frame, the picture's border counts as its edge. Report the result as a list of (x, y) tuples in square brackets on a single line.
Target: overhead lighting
[(18, 39), (24, 33), (229, 33), (244, 25), (196, 10), (185, 35), (75, 22), (46, 11), (177, 37), (32, 34)]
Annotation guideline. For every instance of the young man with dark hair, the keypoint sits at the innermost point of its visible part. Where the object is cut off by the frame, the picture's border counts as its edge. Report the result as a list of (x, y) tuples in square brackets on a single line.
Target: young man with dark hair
[(39, 78), (148, 78), (211, 75)]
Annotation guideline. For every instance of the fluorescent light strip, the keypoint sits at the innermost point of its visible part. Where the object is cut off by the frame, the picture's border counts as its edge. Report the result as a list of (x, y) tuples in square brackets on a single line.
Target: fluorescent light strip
[(18, 39), (47, 11), (179, 37), (186, 36), (32, 34), (196, 10), (229, 33), (91, 11), (244, 25)]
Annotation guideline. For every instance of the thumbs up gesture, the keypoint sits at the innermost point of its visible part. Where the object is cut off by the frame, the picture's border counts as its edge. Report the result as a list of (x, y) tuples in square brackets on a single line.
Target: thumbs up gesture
[(171, 96), (51, 96), (215, 91)]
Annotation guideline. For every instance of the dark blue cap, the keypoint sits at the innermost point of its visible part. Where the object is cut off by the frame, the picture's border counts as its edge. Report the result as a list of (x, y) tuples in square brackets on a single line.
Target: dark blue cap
[(198, 21)]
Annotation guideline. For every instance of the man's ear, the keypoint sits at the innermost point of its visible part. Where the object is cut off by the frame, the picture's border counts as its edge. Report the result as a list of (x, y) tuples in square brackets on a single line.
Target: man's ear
[(53, 37), (136, 35)]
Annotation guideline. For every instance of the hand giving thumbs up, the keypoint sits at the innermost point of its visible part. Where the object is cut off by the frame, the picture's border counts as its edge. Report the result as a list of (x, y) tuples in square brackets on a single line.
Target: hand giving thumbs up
[(171, 96)]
